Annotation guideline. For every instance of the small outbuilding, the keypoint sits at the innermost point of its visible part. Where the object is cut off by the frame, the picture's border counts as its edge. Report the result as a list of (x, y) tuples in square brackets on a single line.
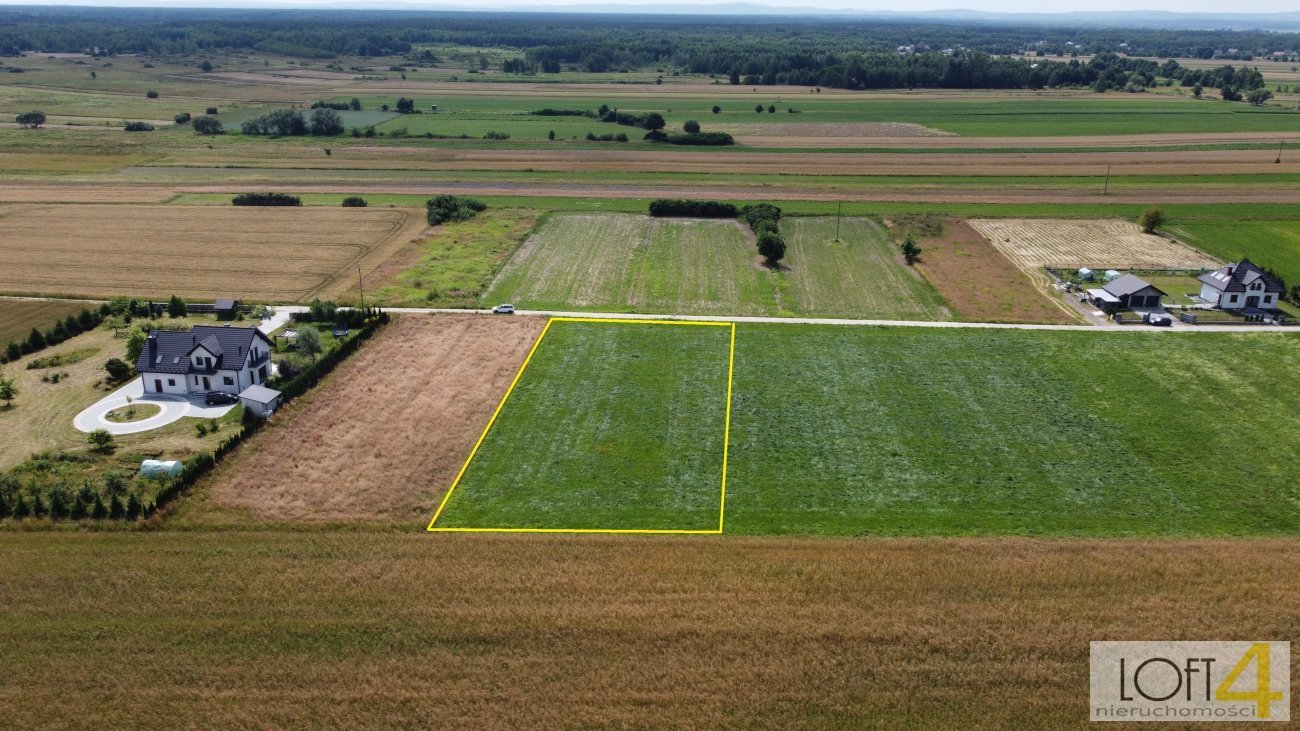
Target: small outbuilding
[(1112, 275), (226, 309), (1085, 274), (260, 400)]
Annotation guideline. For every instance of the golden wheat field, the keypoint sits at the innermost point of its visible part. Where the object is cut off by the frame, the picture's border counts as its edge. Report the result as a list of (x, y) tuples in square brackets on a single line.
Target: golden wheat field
[(1100, 244), (197, 252)]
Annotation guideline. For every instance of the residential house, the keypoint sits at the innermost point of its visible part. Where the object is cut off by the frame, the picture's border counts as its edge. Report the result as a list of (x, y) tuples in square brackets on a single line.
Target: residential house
[(1240, 286), (1128, 292), (207, 358)]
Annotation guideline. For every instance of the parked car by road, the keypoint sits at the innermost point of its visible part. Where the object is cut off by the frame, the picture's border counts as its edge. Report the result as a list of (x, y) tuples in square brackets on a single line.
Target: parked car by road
[(219, 398), (1159, 320), (503, 309)]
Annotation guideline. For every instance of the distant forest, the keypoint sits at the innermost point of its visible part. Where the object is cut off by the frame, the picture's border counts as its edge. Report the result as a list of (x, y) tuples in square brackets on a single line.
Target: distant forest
[(834, 53)]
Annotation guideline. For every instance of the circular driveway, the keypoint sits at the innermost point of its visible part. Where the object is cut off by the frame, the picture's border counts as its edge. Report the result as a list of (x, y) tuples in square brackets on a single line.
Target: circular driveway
[(173, 409)]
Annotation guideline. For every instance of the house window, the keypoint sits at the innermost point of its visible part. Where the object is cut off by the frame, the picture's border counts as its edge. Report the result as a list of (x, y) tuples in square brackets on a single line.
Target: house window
[(1233, 298), (171, 381), (228, 380)]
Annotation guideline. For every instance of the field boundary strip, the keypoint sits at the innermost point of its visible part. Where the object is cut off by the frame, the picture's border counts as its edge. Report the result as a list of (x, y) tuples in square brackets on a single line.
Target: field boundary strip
[(726, 438)]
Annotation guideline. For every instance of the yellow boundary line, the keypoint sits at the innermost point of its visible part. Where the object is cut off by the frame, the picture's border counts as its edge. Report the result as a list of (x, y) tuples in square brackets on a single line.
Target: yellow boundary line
[(726, 439)]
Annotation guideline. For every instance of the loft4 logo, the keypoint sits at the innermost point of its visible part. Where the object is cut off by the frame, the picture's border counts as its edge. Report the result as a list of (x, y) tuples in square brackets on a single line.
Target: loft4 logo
[(1190, 681)]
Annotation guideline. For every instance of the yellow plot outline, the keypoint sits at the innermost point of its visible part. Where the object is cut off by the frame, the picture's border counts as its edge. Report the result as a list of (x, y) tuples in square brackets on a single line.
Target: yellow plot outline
[(726, 437)]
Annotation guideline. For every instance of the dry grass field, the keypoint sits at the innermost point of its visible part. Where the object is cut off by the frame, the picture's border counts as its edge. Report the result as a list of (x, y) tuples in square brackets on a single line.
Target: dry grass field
[(300, 629), (383, 436), (18, 317), (980, 284), (200, 252), (1099, 244)]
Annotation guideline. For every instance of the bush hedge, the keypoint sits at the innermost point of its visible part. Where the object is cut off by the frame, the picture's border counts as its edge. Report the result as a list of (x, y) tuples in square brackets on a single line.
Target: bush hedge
[(676, 207), (266, 199)]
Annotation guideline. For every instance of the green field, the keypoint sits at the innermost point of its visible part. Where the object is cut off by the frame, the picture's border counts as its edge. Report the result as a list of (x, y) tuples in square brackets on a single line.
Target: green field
[(881, 431), (18, 317), (637, 264), (861, 275), (870, 431), (1274, 244), (613, 426), (688, 266)]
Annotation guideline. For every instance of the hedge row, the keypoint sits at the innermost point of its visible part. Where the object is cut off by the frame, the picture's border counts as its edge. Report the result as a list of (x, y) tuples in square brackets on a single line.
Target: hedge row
[(672, 207), (266, 199)]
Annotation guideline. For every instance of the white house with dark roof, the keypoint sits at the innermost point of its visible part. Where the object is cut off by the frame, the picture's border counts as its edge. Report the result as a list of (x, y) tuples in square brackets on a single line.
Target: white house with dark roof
[(205, 359), (1240, 286)]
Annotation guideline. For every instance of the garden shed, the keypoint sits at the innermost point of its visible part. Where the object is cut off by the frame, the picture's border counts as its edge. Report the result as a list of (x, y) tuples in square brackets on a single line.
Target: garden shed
[(260, 400)]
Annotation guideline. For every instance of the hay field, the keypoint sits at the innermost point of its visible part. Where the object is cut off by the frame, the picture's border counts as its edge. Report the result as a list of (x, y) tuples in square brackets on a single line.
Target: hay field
[(1099, 244), (862, 275), (383, 436), (403, 630), (636, 263), (199, 252)]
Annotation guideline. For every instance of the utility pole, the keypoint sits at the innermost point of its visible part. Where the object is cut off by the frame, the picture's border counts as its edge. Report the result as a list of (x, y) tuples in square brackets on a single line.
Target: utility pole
[(1278, 161), (1106, 189), (362, 285), (838, 206)]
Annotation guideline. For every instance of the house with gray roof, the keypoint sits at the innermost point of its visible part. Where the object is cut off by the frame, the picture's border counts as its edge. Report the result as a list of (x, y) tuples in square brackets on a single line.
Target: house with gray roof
[(205, 359), (1127, 292), (1240, 286)]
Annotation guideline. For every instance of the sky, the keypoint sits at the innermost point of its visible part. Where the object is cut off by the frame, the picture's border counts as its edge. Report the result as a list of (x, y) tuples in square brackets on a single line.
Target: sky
[(1004, 6)]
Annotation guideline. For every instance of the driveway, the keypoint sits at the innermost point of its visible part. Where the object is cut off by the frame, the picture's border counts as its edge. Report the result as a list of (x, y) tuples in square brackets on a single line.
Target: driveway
[(173, 409)]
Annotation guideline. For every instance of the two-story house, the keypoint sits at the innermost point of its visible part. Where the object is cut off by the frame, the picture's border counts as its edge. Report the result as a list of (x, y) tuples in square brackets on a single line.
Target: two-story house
[(205, 359), (1240, 286)]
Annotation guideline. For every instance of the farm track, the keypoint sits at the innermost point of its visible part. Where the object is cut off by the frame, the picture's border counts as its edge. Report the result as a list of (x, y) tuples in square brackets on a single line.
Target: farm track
[(1041, 164)]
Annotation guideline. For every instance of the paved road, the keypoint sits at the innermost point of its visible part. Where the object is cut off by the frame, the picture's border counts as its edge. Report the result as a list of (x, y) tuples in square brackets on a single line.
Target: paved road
[(883, 323)]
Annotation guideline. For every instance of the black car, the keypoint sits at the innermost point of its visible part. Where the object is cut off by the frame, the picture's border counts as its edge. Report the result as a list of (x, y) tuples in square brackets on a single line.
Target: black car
[(219, 398)]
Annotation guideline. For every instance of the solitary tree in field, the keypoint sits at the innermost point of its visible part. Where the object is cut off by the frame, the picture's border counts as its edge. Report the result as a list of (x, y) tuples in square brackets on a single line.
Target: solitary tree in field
[(8, 391), (30, 120), (758, 108), (309, 341), (1197, 91), (355, 104), (1151, 219), (691, 127), (1259, 96), (771, 109), (206, 66), (717, 109), (911, 252), (654, 121)]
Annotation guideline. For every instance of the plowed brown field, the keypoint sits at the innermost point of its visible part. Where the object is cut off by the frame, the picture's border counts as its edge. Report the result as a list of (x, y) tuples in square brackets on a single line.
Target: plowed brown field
[(385, 434), (199, 252)]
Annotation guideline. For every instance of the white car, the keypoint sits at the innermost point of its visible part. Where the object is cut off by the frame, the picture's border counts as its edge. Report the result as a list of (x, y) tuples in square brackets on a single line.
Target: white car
[(506, 309)]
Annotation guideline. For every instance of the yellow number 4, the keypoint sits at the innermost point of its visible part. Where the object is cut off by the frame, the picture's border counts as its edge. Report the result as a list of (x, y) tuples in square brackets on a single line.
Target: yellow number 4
[(1263, 693)]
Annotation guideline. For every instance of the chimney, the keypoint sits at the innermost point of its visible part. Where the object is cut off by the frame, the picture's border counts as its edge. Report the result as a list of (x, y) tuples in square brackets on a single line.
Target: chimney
[(1231, 269)]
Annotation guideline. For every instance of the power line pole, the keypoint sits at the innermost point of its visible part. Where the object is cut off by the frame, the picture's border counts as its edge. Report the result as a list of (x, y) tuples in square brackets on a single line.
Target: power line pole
[(362, 285), (1106, 189), (838, 207), (1278, 161)]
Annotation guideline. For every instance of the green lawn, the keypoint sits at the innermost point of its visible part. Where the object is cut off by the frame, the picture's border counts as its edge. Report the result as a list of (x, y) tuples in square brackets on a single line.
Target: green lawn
[(860, 275), (1274, 244), (903, 432), (613, 426)]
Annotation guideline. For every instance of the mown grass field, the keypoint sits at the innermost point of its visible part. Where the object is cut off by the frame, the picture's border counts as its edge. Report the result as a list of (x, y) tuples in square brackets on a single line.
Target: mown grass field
[(686, 266), (860, 275), (637, 264), (613, 426), (1274, 244), (382, 630), (18, 317)]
